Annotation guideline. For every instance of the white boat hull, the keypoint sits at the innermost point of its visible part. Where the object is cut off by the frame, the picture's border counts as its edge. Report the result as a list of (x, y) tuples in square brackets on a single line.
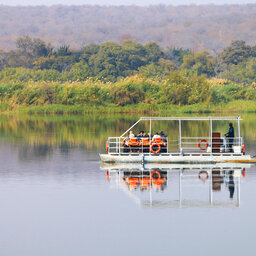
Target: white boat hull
[(176, 158)]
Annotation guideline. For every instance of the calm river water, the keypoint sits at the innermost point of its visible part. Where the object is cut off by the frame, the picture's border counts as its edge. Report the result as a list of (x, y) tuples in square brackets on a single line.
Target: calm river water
[(57, 199)]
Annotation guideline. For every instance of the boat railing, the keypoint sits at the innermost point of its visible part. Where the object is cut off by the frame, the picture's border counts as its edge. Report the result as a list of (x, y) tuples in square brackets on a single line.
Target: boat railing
[(122, 145), (211, 145), (136, 145)]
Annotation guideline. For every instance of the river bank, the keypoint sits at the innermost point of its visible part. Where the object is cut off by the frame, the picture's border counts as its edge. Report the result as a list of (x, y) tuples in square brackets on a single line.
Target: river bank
[(239, 106)]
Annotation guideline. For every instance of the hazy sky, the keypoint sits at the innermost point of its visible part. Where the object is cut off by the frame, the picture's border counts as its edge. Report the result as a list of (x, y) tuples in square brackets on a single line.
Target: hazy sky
[(121, 2)]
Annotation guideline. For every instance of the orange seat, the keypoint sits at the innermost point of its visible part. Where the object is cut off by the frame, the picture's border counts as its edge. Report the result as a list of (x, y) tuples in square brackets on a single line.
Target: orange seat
[(133, 142), (158, 141), (145, 142)]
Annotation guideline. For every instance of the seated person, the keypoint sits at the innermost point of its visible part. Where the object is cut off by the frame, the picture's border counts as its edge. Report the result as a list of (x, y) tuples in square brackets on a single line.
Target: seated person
[(130, 136), (148, 135), (156, 136), (163, 135), (128, 139), (140, 135)]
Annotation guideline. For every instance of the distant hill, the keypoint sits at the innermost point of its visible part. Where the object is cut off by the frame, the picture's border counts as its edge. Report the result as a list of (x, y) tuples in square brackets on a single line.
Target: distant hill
[(196, 27)]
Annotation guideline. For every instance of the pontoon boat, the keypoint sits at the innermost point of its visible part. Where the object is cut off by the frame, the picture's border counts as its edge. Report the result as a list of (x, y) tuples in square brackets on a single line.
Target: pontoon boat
[(212, 148)]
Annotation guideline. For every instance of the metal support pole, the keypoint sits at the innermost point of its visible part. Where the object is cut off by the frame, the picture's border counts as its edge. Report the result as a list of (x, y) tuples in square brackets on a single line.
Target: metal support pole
[(150, 128), (180, 149), (130, 128), (238, 131), (211, 135), (150, 135)]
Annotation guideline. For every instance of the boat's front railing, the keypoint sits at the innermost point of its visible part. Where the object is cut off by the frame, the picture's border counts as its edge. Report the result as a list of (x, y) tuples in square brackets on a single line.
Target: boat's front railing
[(122, 145)]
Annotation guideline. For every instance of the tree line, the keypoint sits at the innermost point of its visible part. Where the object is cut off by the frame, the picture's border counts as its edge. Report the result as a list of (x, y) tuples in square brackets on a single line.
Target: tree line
[(111, 74), (34, 59)]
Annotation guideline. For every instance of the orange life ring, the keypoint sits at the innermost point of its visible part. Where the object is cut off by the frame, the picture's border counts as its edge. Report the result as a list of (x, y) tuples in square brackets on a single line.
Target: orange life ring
[(203, 141), (107, 145), (203, 172), (155, 151), (243, 149), (158, 174)]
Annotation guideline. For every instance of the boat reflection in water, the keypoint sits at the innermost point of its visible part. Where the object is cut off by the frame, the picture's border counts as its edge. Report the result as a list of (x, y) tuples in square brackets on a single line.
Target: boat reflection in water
[(179, 185)]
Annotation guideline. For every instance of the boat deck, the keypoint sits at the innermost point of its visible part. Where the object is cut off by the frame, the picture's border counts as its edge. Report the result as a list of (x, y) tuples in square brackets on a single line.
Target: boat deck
[(176, 158)]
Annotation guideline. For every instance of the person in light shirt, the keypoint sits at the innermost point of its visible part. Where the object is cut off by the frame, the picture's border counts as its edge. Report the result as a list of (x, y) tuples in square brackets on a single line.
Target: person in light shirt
[(156, 136)]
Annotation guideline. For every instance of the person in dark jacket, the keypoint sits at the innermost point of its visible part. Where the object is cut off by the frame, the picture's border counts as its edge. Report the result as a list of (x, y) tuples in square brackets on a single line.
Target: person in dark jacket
[(230, 135), (140, 136)]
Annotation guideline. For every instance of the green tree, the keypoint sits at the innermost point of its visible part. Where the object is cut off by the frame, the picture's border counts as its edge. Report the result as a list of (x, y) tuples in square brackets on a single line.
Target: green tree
[(110, 62), (244, 72), (176, 54), (88, 51), (153, 52), (199, 62), (28, 50), (79, 72), (135, 54), (237, 52)]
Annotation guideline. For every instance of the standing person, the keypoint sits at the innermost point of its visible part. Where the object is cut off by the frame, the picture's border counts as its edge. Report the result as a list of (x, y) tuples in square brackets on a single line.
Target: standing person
[(230, 135)]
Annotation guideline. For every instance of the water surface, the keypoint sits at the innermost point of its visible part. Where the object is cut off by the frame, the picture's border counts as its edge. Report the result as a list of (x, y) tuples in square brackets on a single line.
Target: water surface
[(57, 199)]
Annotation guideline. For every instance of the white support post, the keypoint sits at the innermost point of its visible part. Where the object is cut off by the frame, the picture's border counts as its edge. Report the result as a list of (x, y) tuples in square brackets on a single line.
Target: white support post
[(238, 131), (180, 136), (130, 128), (119, 145), (210, 142), (150, 128)]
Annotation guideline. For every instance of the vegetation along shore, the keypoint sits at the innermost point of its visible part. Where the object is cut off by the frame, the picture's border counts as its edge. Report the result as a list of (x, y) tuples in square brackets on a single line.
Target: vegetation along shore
[(126, 77)]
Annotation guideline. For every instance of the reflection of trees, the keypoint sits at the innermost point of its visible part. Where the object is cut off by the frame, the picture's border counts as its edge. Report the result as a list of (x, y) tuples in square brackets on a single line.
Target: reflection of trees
[(36, 151), (90, 132)]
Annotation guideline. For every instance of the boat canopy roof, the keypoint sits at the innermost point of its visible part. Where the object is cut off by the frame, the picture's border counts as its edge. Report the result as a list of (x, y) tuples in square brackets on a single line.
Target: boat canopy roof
[(225, 118), (209, 119)]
